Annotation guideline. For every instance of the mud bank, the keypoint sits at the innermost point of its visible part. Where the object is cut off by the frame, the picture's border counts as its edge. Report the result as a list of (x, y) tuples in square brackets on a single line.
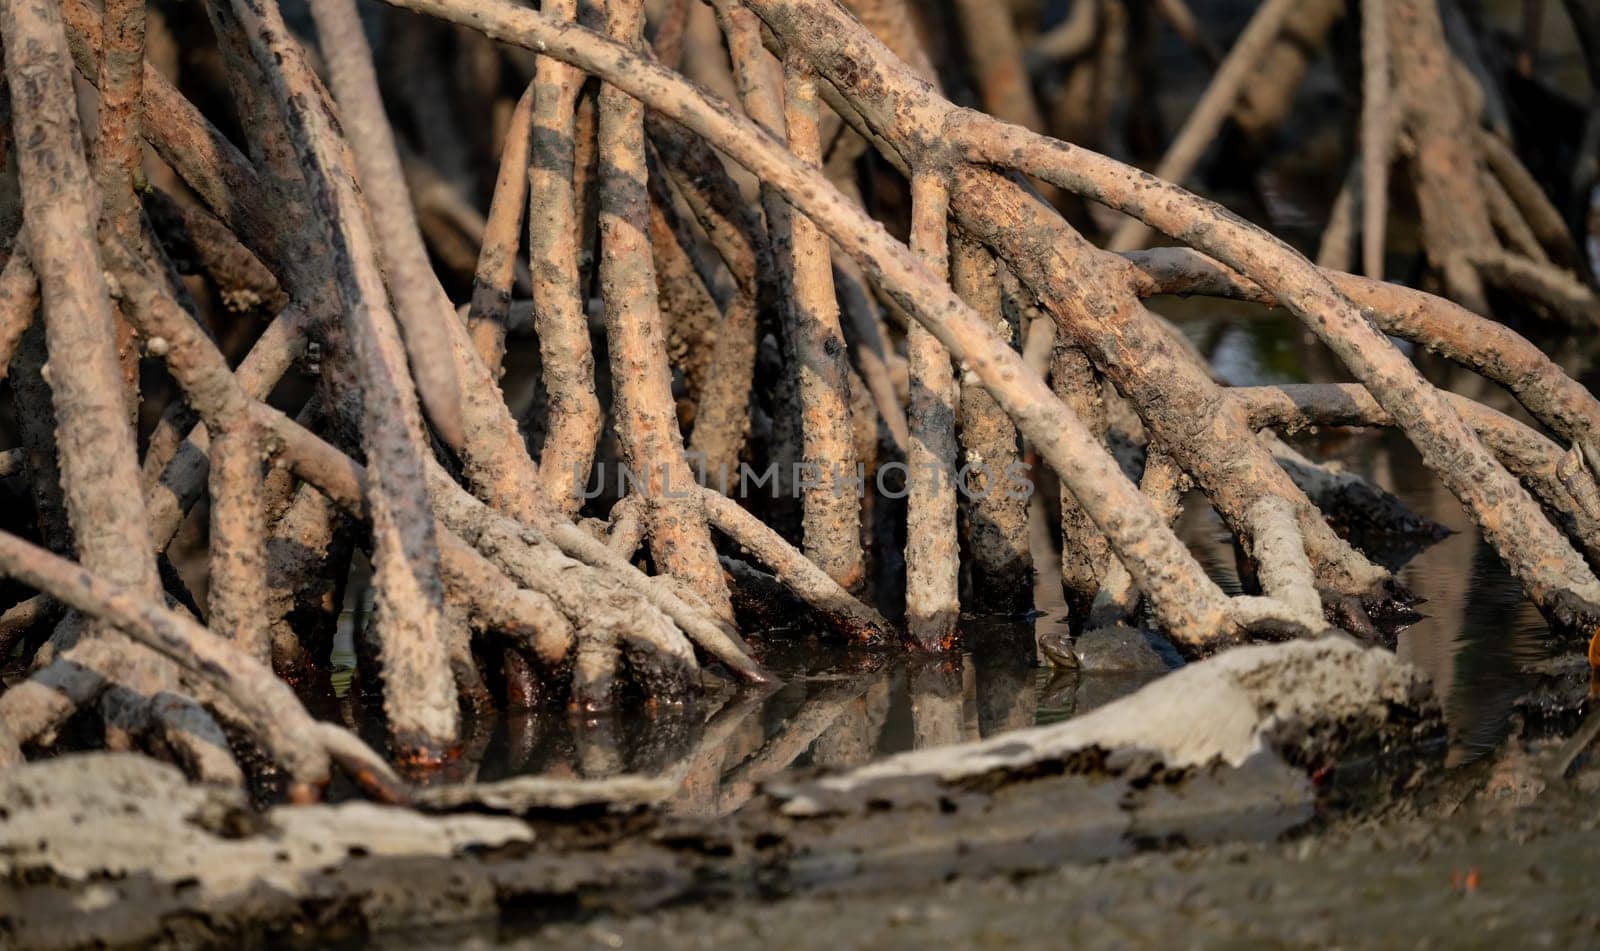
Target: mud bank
[(115, 849), (1464, 875)]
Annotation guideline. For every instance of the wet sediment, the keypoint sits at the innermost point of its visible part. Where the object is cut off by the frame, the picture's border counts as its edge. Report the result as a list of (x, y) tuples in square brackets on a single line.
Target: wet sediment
[(114, 849)]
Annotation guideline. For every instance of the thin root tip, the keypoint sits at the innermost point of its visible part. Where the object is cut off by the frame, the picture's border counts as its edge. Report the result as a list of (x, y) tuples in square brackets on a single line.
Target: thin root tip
[(753, 673), (304, 793)]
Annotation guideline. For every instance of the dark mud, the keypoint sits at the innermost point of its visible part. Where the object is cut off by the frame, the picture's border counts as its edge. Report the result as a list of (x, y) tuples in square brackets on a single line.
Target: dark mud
[(1464, 875)]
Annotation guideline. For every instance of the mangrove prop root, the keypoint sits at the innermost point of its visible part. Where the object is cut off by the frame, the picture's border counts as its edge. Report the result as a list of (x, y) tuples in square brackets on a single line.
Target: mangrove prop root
[(736, 257)]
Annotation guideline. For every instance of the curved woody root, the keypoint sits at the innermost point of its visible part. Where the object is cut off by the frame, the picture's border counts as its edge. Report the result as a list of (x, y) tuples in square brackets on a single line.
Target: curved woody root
[(749, 314)]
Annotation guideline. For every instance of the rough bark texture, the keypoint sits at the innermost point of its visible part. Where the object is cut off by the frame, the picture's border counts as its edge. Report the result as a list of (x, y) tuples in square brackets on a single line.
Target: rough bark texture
[(237, 598), (994, 499), (1546, 566), (407, 271), (98, 461), (734, 229), (267, 704), (1083, 548), (554, 229), (643, 408), (933, 604), (831, 519), (97, 456), (1187, 603), (19, 303), (1447, 168), (1452, 331), (725, 318), (420, 699), (490, 310)]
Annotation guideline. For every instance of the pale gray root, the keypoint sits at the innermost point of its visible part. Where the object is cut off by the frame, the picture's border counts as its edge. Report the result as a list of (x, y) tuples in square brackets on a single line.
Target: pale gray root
[(510, 544), (1377, 134), (19, 301), (1549, 570), (811, 584), (555, 229), (269, 706), (30, 710), (306, 549), (1189, 603), (642, 405), (1482, 345), (714, 635), (498, 263), (612, 613), (871, 355), (1532, 459), (1070, 38), (1530, 199), (419, 692), (354, 79), (996, 511), (1508, 222), (1336, 248), (237, 595), (831, 509), (933, 603), (95, 445), (1284, 570), (627, 526), (1164, 484), (1568, 298), (170, 496)]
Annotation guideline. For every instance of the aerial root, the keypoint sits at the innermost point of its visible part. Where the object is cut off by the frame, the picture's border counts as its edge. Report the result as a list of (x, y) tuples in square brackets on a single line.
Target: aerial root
[(750, 314), (240, 683)]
